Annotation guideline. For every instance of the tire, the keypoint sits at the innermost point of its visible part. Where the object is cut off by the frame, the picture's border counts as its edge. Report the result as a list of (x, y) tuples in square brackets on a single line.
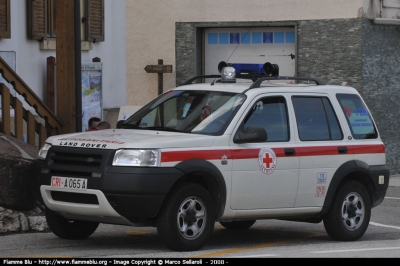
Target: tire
[(350, 212), (177, 225), (66, 229), (238, 225)]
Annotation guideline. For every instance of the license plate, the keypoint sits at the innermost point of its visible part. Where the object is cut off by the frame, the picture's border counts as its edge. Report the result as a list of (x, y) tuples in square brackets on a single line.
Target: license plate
[(69, 182)]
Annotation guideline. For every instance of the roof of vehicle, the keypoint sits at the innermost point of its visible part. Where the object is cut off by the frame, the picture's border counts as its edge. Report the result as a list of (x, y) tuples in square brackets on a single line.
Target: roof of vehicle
[(281, 86)]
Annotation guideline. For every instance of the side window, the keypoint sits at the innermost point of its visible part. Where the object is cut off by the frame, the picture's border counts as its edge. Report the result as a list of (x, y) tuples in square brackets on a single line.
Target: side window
[(357, 116), (316, 119), (270, 113)]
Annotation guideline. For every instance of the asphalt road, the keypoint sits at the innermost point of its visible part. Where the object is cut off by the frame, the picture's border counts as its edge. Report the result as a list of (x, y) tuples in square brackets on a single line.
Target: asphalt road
[(266, 239)]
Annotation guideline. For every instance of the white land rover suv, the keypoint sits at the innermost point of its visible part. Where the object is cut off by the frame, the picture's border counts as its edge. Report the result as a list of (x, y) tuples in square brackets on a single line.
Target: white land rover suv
[(267, 147)]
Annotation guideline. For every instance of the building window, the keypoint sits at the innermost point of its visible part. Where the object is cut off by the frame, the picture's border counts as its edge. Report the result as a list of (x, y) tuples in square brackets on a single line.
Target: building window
[(5, 27), (42, 19)]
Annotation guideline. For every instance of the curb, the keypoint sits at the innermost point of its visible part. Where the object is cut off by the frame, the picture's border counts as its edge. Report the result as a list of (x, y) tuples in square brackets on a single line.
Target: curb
[(394, 181)]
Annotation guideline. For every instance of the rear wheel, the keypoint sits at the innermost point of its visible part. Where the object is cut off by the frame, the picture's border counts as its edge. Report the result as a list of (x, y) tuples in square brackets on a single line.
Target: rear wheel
[(238, 225), (186, 220), (350, 212), (68, 229)]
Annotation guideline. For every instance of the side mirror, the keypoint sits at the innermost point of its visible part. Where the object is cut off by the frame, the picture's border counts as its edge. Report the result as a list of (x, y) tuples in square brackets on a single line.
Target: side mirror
[(119, 123), (251, 134)]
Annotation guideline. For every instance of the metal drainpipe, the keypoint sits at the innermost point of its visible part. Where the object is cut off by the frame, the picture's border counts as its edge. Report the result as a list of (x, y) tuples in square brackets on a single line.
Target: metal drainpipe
[(78, 65)]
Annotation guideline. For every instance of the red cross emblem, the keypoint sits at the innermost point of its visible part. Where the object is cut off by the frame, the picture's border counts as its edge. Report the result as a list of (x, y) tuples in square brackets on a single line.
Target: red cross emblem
[(267, 160)]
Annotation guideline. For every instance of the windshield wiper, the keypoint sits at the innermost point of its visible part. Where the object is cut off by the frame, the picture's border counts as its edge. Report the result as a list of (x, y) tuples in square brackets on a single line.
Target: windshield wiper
[(128, 126), (162, 129)]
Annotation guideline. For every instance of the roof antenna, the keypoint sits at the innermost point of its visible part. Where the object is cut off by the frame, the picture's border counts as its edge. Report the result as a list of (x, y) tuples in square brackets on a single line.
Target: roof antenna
[(238, 45), (223, 64), (316, 63)]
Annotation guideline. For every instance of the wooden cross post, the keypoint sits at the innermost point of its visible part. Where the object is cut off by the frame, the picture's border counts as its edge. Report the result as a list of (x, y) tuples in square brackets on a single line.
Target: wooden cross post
[(160, 69)]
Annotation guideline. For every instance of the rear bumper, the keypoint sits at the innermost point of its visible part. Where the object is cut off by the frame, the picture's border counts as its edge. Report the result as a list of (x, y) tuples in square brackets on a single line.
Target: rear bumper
[(380, 176)]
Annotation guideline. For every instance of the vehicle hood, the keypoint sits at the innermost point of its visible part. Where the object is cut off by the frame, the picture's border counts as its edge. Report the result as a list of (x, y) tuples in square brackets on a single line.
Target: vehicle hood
[(130, 138)]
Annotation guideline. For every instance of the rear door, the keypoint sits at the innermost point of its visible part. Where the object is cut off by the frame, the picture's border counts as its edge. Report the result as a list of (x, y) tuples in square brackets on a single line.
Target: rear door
[(322, 146)]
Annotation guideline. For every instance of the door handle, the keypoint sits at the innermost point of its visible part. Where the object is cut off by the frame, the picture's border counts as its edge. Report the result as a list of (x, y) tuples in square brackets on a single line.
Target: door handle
[(290, 152), (342, 150)]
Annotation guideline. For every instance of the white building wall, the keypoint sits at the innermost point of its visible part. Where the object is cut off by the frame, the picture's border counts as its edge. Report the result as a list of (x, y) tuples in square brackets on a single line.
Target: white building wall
[(31, 61), (150, 29)]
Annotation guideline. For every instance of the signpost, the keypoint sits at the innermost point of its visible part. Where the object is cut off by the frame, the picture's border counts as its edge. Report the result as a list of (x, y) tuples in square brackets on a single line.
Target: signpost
[(160, 69)]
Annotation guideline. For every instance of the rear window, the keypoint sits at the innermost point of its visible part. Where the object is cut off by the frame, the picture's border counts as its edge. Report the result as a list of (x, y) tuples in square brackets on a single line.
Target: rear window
[(357, 116)]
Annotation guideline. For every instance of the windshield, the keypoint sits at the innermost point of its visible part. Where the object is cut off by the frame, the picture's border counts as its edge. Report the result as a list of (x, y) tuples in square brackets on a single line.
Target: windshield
[(200, 112)]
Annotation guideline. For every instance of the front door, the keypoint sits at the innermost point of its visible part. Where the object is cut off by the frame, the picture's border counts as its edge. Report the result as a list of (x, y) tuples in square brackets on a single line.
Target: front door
[(265, 174)]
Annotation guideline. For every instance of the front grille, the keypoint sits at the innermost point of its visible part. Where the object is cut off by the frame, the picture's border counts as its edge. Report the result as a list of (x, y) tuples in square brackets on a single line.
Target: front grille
[(76, 159), (70, 173), (74, 197), (76, 162)]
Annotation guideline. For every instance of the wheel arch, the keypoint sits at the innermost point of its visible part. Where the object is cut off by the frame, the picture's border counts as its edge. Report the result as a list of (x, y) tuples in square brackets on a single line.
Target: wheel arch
[(207, 175), (351, 170)]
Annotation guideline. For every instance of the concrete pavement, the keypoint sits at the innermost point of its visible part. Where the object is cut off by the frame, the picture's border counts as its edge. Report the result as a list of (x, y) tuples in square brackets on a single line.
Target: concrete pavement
[(394, 181)]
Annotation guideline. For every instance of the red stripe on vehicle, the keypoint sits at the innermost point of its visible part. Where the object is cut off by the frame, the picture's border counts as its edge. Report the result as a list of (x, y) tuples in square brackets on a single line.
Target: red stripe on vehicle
[(253, 153), (316, 151), (333, 150), (173, 156), (237, 154), (362, 149)]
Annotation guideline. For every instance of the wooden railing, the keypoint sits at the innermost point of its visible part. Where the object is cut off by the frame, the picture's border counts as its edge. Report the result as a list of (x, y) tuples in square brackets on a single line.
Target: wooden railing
[(50, 124)]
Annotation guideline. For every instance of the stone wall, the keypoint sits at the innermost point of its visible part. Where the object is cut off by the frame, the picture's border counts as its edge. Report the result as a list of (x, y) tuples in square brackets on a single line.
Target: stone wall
[(330, 50), (21, 209), (12, 221), (185, 50), (381, 84)]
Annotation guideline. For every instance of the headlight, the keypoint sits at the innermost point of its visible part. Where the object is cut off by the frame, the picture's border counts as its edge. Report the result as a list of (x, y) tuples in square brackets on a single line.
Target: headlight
[(137, 158), (43, 151)]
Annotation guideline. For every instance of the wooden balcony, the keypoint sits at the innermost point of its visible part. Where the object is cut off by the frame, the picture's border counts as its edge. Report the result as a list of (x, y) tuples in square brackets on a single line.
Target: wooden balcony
[(39, 126)]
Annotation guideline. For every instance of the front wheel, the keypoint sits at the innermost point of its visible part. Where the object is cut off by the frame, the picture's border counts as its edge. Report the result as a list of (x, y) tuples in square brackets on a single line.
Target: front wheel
[(350, 212), (67, 229), (238, 225), (186, 220)]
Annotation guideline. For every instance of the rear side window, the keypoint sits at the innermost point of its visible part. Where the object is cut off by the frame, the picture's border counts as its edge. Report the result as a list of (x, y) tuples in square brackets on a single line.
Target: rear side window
[(316, 119), (357, 116)]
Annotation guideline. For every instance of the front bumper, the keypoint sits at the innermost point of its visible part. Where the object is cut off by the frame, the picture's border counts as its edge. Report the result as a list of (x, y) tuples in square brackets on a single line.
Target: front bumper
[(120, 195)]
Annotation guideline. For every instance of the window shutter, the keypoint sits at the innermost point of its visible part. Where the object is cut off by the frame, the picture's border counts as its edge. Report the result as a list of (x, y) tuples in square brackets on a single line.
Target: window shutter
[(95, 21), (5, 20), (37, 19)]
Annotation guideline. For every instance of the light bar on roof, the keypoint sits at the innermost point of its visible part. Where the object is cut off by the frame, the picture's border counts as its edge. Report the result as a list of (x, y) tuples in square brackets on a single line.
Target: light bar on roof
[(248, 68)]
